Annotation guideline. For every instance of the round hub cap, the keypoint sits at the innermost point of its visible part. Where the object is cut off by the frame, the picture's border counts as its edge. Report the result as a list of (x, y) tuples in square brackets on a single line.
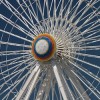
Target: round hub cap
[(43, 47)]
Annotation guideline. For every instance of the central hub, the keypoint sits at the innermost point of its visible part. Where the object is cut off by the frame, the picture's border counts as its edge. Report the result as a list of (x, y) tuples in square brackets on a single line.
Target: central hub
[(43, 47)]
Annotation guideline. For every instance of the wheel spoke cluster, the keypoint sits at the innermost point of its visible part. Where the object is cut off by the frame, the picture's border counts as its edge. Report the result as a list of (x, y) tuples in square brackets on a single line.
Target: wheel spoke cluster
[(73, 73)]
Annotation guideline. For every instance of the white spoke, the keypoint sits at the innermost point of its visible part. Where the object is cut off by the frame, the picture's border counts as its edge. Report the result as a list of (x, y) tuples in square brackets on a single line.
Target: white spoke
[(85, 62), (87, 86), (15, 12), (86, 71), (16, 26), (15, 44), (12, 60), (86, 55), (15, 72)]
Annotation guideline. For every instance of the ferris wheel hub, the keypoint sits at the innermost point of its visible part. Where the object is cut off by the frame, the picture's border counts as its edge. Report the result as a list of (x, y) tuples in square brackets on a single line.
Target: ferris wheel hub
[(43, 47)]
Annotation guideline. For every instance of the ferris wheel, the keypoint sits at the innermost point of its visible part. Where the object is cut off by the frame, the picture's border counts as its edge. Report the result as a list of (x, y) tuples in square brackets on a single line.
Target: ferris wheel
[(49, 50)]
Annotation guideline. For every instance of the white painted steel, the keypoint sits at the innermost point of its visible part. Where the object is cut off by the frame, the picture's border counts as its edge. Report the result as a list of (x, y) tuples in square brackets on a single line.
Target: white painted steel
[(28, 82), (60, 84), (75, 26)]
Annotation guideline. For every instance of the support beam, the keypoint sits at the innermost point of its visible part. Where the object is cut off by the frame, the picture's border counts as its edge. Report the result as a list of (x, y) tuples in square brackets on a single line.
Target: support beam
[(80, 90), (60, 83), (27, 83), (45, 87), (32, 84)]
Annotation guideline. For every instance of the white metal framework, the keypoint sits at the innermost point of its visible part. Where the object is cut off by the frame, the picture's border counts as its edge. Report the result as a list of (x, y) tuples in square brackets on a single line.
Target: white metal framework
[(74, 71)]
